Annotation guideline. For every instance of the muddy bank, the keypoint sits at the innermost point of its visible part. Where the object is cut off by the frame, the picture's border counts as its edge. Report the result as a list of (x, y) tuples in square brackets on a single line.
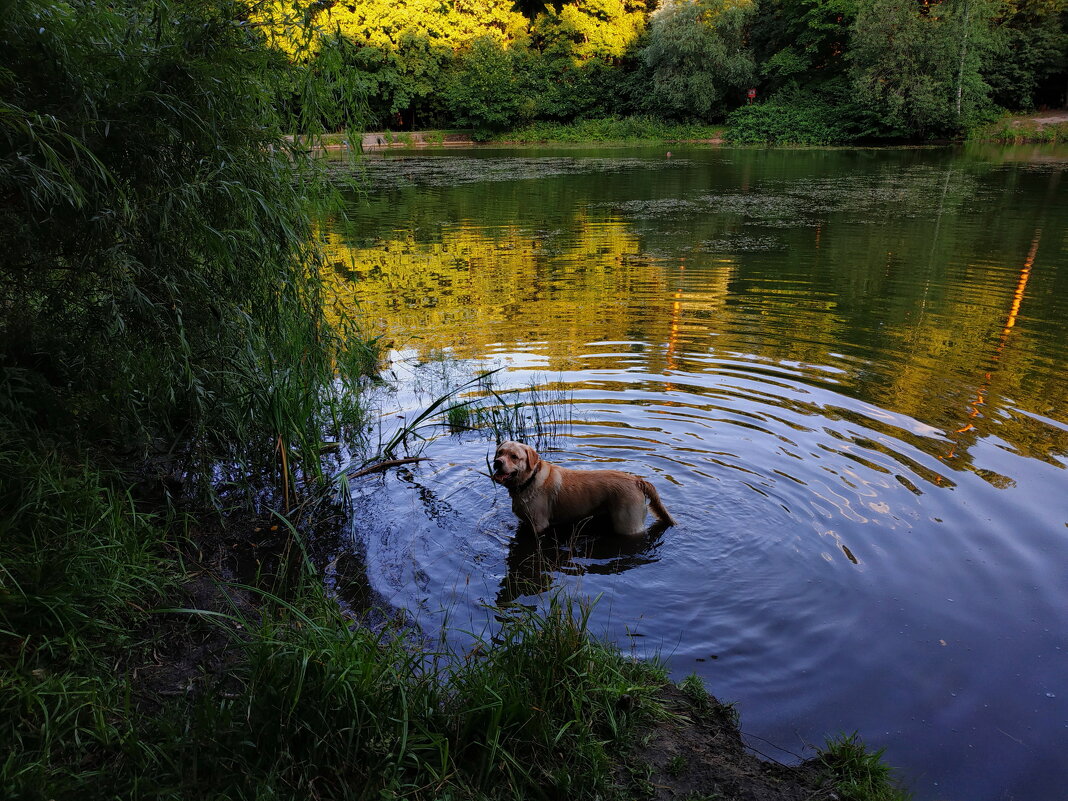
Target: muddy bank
[(698, 752)]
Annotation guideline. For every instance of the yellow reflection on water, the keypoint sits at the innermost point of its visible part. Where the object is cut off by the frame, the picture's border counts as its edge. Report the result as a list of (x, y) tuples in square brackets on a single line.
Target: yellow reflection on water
[(950, 356), (477, 290)]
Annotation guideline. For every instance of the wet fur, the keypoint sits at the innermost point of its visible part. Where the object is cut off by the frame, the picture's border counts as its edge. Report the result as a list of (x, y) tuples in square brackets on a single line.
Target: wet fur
[(544, 494)]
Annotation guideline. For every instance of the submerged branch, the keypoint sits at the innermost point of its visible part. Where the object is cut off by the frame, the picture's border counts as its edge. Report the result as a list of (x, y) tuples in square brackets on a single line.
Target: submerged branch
[(385, 465)]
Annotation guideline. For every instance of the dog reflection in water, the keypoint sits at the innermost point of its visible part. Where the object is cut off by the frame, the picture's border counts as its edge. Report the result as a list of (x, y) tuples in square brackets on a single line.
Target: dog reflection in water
[(590, 546)]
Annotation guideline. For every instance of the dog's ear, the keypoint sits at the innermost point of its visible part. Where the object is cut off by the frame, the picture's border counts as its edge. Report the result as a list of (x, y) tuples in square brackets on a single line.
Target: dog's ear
[(532, 457)]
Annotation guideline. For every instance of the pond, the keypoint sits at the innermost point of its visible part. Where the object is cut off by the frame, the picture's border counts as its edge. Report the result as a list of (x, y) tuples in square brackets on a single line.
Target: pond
[(844, 370)]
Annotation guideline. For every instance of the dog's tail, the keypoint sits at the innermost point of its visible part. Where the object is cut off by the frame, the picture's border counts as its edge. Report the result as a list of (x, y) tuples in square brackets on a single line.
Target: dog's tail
[(649, 491)]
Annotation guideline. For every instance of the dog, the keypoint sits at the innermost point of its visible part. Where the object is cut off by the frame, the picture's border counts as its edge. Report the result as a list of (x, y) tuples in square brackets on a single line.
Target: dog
[(544, 494)]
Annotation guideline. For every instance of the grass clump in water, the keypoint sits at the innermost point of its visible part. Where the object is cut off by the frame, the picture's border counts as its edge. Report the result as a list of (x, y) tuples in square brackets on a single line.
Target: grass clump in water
[(858, 774), (539, 415)]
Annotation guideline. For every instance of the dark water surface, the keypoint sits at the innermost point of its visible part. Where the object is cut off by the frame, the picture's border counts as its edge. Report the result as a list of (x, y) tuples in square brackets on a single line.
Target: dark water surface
[(845, 372)]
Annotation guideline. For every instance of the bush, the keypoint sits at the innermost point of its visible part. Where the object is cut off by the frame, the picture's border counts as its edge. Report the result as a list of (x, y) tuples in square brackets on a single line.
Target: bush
[(797, 118), (611, 129), (484, 90)]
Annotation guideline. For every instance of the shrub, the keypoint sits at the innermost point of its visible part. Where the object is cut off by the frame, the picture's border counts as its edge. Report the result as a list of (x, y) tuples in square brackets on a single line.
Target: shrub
[(611, 129), (796, 118)]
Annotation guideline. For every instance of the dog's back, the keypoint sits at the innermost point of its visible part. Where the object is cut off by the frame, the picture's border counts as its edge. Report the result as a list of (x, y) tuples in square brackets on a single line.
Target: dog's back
[(617, 494), (544, 493)]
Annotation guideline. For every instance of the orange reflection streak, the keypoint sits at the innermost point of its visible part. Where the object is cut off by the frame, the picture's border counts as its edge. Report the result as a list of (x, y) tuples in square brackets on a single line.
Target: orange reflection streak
[(1010, 322), (676, 315)]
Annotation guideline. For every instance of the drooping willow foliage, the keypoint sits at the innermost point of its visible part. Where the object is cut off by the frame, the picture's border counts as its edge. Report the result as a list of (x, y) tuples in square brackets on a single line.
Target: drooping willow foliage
[(159, 291)]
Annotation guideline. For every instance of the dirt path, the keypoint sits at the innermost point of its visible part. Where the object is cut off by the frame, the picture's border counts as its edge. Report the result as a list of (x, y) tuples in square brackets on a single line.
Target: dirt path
[(1043, 118)]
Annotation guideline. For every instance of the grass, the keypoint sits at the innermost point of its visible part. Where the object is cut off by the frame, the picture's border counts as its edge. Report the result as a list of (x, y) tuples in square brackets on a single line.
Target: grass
[(78, 570), (1021, 130), (77, 555), (289, 696), (611, 129), (858, 774), (308, 705)]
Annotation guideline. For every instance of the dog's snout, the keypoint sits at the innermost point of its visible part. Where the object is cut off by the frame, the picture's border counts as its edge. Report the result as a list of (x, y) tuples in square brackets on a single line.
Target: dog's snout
[(498, 465)]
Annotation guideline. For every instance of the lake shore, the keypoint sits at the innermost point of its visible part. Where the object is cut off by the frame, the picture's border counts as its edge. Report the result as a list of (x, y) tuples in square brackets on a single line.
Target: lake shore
[(213, 657), (242, 577), (1036, 127)]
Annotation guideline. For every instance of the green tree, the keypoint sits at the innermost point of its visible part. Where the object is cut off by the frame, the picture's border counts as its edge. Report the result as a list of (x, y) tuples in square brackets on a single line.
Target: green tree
[(486, 88), (696, 57), (585, 55), (400, 51), (585, 29), (916, 66), (1031, 66), (801, 42)]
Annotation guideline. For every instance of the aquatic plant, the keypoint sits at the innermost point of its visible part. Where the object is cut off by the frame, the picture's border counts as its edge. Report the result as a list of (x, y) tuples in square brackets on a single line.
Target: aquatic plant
[(858, 773), (538, 415)]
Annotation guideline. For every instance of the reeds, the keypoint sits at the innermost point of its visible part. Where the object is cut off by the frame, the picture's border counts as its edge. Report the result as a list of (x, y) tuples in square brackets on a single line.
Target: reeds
[(161, 295), (539, 414)]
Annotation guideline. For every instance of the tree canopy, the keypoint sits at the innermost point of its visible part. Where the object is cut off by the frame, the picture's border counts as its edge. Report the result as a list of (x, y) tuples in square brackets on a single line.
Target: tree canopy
[(883, 68)]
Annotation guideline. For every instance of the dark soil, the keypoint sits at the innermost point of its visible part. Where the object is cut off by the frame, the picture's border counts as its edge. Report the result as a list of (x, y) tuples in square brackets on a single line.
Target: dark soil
[(698, 753), (188, 642)]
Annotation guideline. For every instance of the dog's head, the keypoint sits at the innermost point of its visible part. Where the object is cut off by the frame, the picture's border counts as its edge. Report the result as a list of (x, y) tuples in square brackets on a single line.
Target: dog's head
[(514, 463)]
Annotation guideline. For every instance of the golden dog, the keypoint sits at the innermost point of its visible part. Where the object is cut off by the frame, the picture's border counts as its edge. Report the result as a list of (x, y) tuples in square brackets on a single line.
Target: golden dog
[(544, 494)]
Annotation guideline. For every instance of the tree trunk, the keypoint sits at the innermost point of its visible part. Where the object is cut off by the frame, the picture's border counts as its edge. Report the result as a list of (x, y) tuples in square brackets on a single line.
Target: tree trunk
[(963, 54)]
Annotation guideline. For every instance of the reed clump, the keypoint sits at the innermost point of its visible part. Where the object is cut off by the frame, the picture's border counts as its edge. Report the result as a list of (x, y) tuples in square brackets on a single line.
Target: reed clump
[(539, 414), (858, 772), (162, 298)]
